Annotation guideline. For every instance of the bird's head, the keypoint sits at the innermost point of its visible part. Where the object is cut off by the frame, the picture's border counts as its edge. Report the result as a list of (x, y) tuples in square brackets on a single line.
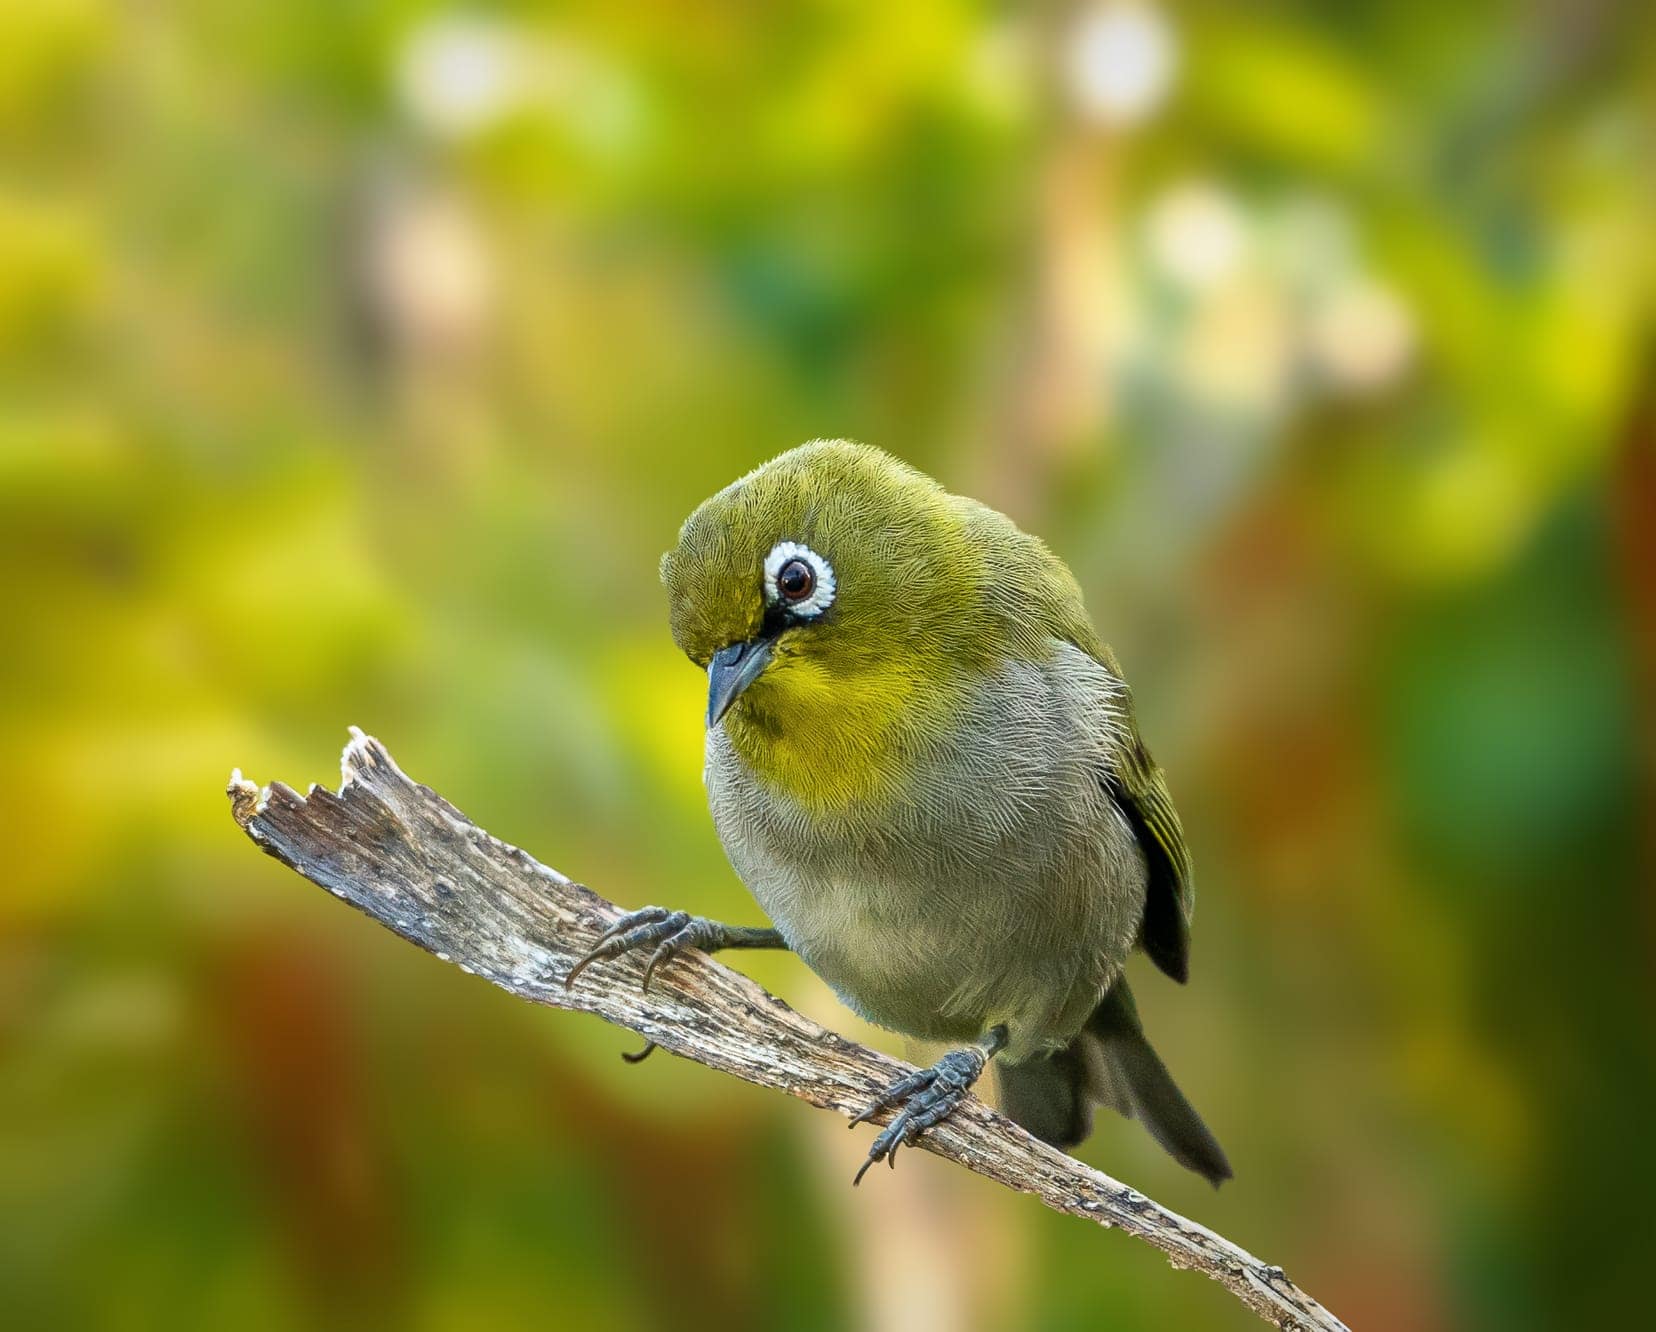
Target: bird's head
[(827, 594)]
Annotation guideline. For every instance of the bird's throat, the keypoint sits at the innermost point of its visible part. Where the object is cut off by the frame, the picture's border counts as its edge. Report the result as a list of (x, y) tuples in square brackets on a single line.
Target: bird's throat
[(831, 742)]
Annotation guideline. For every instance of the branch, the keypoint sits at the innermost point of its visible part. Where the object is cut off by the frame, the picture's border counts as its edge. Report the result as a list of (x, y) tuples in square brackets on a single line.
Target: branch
[(401, 853)]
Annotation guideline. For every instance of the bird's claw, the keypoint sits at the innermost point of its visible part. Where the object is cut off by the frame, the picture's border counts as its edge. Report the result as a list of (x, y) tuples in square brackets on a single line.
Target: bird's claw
[(670, 931), (640, 1056), (930, 1095)]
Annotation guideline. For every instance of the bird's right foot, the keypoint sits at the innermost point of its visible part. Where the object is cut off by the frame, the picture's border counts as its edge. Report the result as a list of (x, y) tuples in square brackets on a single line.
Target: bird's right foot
[(671, 932)]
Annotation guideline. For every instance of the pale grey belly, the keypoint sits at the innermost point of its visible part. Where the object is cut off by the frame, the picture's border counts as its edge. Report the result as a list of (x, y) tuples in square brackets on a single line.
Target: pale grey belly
[(1002, 887)]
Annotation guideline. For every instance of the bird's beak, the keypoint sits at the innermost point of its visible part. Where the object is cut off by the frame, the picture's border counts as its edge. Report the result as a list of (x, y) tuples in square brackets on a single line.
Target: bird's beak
[(732, 670)]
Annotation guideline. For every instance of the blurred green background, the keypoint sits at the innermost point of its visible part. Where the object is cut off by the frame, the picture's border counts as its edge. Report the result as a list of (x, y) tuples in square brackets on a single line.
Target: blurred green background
[(357, 363)]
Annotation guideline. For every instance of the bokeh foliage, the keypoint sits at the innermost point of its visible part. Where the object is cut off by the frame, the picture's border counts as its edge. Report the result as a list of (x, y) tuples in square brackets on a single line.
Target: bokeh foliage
[(356, 365)]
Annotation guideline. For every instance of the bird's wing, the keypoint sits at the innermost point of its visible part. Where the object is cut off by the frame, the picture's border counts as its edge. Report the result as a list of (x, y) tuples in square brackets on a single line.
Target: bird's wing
[(1139, 789), (1037, 595), (1140, 792)]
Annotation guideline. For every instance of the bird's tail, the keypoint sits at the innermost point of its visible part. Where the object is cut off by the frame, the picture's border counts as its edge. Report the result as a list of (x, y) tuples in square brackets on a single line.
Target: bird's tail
[(1110, 1063)]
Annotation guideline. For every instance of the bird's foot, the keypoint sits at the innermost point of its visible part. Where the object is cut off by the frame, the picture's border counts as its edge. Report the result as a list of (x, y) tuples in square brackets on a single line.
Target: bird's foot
[(670, 932), (928, 1096)]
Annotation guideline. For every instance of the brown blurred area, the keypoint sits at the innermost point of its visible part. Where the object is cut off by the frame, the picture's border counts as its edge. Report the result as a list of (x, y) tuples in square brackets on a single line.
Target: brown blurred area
[(357, 364)]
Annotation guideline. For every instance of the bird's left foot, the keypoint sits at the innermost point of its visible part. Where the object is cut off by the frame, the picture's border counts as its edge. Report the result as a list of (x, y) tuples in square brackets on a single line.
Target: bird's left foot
[(928, 1096)]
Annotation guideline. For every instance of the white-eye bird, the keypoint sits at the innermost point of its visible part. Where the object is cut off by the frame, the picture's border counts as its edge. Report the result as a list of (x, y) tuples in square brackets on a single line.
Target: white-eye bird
[(923, 762)]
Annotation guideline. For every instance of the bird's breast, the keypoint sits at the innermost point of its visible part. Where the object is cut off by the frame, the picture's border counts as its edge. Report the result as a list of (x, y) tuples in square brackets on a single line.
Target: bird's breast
[(988, 879)]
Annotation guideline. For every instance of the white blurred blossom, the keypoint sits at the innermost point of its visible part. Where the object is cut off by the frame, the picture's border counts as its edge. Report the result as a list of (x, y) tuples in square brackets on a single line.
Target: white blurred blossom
[(1120, 62), (459, 74), (1362, 336), (1197, 234), (430, 273)]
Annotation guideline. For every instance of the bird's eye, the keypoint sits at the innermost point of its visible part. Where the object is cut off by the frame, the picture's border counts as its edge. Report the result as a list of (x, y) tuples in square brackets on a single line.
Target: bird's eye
[(795, 581), (798, 581)]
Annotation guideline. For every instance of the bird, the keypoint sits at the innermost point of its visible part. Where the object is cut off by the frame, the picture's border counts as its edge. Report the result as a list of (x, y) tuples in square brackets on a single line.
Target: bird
[(925, 765)]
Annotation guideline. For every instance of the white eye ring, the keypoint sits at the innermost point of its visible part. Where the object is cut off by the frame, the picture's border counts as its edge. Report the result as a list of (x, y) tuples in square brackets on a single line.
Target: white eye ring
[(822, 594)]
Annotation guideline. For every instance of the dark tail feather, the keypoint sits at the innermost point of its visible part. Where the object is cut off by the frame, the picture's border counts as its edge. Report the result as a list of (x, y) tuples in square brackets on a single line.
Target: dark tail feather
[(1050, 1096), (1112, 1063)]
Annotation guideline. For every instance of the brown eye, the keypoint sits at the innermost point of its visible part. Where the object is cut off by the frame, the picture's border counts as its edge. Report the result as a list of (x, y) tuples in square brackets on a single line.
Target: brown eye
[(795, 581), (798, 581)]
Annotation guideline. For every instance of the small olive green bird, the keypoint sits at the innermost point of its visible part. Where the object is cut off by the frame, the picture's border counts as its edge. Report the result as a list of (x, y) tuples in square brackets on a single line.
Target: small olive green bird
[(923, 762)]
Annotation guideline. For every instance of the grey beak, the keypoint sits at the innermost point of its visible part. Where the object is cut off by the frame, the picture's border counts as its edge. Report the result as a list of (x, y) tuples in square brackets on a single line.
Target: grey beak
[(732, 670)]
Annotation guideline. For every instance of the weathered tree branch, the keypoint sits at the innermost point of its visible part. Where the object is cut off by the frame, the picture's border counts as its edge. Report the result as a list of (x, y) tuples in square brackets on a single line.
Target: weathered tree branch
[(401, 853)]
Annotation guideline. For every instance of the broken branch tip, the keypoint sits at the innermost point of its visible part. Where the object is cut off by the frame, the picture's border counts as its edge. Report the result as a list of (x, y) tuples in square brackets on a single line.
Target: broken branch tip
[(246, 799)]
